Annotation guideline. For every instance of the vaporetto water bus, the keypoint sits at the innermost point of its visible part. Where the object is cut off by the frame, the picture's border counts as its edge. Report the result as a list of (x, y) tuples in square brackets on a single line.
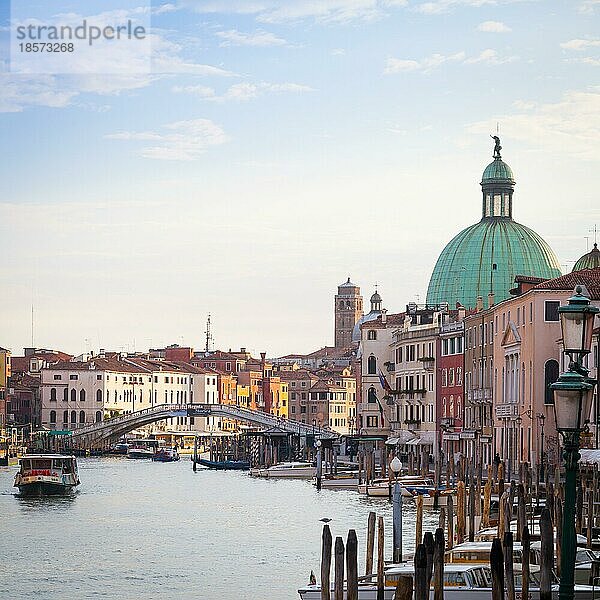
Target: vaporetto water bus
[(46, 475)]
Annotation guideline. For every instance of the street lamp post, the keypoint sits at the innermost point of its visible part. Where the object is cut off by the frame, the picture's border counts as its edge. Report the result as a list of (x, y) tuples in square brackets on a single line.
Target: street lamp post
[(396, 467), (519, 422), (573, 393)]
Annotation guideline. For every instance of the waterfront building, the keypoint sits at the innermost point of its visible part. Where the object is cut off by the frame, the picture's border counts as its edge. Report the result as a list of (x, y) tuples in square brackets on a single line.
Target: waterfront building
[(348, 309), (450, 397), (5, 367), (226, 362), (325, 399), (375, 368), (415, 421), (328, 356), (77, 393), (486, 257), (23, 401), (513, 350), (299, 383)]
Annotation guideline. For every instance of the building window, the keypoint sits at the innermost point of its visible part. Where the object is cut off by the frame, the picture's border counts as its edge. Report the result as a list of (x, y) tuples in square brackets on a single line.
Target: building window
[(73, 377), (372, 421), (451, 377), (73, 416), (57, 377), (99, 377), (52, 416), (82, 416), (550, 376), (65, 416), (551, 310), (82, 396), (98, 395), (293, 410), (65, 394), (73, 395), (372, 335), (444, 377), (53, 395), (98, 416), (372, 395), (372, 365)]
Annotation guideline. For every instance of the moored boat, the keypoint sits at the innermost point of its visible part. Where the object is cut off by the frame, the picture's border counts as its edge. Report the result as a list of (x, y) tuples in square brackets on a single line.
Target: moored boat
[(166, 455), (225, 465), (287, 470), (46, 475)]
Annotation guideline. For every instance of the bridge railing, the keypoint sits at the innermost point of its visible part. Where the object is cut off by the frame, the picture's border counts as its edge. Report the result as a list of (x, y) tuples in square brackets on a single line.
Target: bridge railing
[(157, 408)]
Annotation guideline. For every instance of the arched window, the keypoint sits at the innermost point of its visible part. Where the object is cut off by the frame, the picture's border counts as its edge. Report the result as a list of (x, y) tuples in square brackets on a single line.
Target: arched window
[(82, 416), (81, 395), (65, 395), (372, 365), (444, 407), (341, 305), (458, 413), (372, 395), (65, 417), (98, 416), (73, 395), (98, 395), (52, 416), (73, 416), (52, 394), (372, 335), (550, 376)]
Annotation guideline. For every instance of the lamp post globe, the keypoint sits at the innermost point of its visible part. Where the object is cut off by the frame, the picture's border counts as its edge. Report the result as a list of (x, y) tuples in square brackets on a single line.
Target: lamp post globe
[(396, 466), (577, 324)]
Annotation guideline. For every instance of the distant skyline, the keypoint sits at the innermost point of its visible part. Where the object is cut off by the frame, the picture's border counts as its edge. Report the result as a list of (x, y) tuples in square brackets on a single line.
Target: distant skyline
[(277, 148)]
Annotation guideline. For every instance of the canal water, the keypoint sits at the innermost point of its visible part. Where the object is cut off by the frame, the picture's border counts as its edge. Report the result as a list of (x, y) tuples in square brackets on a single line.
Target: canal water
[(138, 529)]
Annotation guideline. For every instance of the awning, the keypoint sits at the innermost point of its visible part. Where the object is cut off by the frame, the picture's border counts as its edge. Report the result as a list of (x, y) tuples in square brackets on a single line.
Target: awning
[(589, 457), (391, 441), (400, 437), (425, 438)]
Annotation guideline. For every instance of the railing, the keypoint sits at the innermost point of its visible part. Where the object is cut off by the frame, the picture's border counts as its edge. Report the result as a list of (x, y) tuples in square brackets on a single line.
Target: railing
[(482, 395)]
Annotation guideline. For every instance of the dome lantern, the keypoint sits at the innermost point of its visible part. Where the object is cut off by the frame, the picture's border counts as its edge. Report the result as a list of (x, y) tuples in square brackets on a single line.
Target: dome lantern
[(497, 184)]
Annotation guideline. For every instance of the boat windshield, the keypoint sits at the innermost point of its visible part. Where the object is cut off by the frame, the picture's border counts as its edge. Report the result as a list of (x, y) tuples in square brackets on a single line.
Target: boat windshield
[(34, 464), (65, 465), (480, 578)]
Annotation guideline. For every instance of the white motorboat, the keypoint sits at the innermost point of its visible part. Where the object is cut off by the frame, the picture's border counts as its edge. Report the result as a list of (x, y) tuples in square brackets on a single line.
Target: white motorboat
[(342, 481), (409, 485), (46, 475), (461, 582), (287, 470)]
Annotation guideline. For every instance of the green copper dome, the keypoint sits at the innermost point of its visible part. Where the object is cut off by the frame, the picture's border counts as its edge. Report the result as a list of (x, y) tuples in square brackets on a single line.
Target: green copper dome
[(497, 169), (591, 260), (485, 258)]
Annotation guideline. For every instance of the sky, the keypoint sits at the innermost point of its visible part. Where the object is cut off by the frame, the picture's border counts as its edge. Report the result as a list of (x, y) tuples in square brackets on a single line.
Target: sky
[(268, 150)]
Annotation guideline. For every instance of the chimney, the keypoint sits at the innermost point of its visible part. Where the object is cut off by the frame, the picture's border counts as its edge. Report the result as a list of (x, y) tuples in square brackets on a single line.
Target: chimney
[(462, 313), (479, 305), (263, 357), (384, 316), (490, 299), (243, 350)]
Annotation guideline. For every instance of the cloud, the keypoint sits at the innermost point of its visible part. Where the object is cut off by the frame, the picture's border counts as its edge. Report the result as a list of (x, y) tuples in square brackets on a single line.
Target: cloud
[(243, 91), (589, 6), (579, 45), (182, 140), (489, 57), (436, 7), (281, 11), (569, 127), (425, 65), (493, 27), (338, 52), (260, 39)]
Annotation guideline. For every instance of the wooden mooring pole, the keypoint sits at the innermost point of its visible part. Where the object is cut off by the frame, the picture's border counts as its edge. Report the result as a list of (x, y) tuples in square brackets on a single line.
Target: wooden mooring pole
[(438, 565), (497, 567), (370, 543), (380, 559), (338, 569), (547, 555), (421, 578), (326, 563), (352, 565)]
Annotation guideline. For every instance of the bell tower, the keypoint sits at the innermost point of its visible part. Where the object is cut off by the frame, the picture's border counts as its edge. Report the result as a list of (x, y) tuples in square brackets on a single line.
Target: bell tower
[(348, 309)]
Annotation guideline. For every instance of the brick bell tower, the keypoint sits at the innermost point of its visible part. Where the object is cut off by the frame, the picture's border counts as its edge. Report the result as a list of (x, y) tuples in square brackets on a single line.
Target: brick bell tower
[(348, 309)]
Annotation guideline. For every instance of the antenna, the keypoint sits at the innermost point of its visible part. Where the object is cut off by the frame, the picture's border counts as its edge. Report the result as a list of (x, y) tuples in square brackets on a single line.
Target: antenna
[(32, 328), (587, 242), (209, 336), (595, 232)]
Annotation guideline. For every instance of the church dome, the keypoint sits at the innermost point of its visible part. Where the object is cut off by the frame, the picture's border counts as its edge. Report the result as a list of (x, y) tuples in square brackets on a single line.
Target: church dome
[(591, 260), (485, 258)]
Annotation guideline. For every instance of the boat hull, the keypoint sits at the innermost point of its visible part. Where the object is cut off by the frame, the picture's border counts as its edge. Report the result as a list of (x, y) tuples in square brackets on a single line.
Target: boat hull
[(45, 488), (140, 454), (225, 465)]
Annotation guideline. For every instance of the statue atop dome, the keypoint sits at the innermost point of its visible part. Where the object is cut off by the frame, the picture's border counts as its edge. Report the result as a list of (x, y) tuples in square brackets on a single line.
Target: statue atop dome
[(497, 146)]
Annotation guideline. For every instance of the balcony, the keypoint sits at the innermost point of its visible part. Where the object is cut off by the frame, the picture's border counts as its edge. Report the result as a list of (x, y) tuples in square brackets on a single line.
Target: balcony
[(448, 422), (412, 422), (507, 411), (428, 362), (480, 396)]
